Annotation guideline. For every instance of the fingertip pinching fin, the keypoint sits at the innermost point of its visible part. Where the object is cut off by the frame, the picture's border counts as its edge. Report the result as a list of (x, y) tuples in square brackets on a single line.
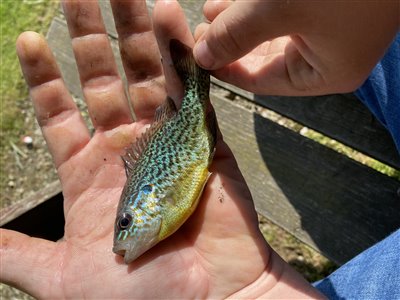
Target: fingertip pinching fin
[(184, 61)]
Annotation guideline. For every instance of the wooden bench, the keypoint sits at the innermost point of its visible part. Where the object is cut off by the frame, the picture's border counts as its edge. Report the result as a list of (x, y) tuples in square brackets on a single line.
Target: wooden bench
[(331, 202)]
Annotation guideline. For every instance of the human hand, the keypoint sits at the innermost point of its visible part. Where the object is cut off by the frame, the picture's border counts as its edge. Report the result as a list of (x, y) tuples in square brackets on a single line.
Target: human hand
[(295, 47), (218, 252)]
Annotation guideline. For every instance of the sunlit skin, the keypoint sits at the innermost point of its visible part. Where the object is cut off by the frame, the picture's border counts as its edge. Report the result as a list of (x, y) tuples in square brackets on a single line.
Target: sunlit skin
[(296, 47), (219, 252)]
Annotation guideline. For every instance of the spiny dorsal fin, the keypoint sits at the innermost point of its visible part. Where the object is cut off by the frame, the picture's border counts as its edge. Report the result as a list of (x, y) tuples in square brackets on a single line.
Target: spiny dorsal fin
[(163, 113)]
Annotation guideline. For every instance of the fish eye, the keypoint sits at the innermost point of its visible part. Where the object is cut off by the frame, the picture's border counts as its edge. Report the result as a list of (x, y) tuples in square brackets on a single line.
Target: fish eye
[(124, 221), (147, 189)]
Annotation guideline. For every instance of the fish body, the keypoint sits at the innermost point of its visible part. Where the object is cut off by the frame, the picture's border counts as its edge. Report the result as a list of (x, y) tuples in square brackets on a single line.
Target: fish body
[(167, 167)]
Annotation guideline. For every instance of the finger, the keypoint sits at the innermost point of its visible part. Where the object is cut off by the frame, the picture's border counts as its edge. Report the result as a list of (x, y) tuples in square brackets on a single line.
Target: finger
[(259, 74), (140, 56), (102, 86), (237, 30), (212, 8), (29, 263), (170, 23), (200, 30), (274, 68), (62, 125)]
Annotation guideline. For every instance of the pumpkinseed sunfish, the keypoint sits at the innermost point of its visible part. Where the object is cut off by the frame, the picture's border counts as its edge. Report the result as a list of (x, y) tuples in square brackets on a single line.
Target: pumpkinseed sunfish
[(167, 167)]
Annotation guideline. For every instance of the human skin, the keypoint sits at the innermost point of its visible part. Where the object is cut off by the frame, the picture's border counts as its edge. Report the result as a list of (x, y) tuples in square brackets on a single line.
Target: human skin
[(295, 48), (218, 253)]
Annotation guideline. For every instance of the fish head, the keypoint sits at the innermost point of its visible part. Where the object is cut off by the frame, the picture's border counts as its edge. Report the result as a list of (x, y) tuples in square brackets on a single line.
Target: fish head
[(137, 227)]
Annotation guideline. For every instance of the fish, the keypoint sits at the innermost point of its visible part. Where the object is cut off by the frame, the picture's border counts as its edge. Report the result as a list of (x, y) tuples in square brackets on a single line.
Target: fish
[(167, 167)]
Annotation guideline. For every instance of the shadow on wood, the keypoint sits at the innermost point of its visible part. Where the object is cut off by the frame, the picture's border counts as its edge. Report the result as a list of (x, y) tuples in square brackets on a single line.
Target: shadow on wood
[(343, 207), (44, 221), (342, 117)]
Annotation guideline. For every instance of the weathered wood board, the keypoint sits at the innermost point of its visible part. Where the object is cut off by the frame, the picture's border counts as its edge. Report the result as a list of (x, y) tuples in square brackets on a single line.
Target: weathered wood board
[(327, 200), (18, 208), (340, 116), (44, 220), (193, 10)]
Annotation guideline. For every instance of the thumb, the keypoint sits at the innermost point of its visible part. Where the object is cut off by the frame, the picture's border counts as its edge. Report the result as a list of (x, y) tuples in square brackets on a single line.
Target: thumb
[(232, 34), (27, 263)]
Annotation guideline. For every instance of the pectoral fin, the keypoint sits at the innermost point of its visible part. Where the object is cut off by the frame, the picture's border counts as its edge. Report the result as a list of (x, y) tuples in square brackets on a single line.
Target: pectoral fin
[(168, 197), (194, 204)]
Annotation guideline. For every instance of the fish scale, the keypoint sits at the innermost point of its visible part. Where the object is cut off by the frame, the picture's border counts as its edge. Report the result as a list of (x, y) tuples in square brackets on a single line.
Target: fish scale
[(167, 167)]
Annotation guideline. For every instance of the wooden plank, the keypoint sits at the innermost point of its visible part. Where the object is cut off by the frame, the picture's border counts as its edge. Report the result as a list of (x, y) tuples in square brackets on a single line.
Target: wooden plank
[(340, 116), (45, 220), (15, 210), (328, 201), (193, 10)]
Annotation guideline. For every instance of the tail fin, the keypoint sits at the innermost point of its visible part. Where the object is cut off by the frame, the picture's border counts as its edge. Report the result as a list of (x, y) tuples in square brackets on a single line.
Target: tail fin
[(184, 62)]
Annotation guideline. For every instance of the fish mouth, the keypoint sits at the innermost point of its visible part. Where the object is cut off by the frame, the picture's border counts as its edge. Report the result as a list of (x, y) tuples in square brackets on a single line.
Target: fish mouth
[(133, 247), (120, 252), (123, 250), (128, 252)]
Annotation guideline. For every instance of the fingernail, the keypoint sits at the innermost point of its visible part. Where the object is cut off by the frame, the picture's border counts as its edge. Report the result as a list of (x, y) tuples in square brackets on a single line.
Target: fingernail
[(203, 55)]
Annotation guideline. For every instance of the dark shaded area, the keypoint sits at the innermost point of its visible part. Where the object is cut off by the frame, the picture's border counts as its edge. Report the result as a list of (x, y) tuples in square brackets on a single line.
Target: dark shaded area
[(342, 117), (310, 271), (344, 207), (44, 221)]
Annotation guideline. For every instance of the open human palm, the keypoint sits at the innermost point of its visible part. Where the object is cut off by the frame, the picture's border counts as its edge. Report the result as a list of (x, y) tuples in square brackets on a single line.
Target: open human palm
[(218, 252)]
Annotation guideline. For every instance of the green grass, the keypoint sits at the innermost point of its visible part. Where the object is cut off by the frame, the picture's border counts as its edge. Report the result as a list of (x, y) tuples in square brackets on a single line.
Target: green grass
[(17, 16), (330, 143)]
